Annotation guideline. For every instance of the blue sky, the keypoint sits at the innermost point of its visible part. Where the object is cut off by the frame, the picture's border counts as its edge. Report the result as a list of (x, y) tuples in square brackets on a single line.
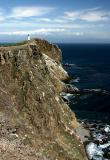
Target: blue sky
[(58, 21)]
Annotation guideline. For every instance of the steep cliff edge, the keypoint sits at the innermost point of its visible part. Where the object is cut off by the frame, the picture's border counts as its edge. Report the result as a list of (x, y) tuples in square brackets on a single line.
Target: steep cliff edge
[(35, 123)]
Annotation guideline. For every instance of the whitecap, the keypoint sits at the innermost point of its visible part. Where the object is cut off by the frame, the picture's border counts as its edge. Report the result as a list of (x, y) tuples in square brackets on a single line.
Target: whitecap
[(76, 80), (94, 151)]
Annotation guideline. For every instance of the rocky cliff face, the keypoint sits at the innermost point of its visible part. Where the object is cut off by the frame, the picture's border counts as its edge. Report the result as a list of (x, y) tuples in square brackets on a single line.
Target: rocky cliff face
[(35, 123)]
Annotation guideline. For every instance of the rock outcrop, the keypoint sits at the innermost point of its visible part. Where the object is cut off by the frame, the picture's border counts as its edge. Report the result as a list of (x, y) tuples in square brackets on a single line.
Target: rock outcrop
[(35, 122)]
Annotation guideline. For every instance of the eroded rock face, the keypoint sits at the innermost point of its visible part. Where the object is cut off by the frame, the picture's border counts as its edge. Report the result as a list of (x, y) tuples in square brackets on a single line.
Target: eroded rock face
[(35, 123)]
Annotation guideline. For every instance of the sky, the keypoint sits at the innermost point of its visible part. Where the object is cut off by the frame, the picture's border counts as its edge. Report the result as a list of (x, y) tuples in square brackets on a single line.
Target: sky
[(60, 21)]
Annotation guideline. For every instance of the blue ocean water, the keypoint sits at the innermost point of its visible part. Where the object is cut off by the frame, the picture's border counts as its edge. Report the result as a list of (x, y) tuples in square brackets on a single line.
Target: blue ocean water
[(92, 71)]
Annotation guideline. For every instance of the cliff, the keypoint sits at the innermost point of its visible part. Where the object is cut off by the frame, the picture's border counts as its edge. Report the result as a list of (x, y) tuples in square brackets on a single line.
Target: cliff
[(35, 122)]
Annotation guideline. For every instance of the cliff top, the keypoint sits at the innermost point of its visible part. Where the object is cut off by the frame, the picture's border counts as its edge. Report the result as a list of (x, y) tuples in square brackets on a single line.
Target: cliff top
[(42, 45)]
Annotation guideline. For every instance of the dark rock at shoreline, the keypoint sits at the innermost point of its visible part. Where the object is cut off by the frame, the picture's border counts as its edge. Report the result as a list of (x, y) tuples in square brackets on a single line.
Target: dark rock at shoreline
[(98, 145)]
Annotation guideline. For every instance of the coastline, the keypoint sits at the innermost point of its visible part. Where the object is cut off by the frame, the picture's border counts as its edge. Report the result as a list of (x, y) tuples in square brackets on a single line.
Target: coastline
[(42, 63), (95, 135)]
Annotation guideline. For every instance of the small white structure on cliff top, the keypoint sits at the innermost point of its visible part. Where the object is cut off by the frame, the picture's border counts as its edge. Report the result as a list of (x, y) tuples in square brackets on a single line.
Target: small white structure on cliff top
[(28, 38)]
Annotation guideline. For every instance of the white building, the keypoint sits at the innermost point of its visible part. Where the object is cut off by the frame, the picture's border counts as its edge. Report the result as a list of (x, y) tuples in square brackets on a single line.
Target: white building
[(29, 38)]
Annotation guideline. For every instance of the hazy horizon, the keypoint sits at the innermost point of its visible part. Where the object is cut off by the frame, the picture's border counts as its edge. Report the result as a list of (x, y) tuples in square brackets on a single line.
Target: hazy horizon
[(59, 21)]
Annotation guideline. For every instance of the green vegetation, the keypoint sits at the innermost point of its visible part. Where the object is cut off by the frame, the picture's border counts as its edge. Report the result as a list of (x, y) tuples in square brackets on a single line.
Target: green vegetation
[(13, 44)]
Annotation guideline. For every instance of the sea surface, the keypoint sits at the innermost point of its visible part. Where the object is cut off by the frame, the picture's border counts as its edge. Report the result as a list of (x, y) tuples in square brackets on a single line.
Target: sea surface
[(91, 70)]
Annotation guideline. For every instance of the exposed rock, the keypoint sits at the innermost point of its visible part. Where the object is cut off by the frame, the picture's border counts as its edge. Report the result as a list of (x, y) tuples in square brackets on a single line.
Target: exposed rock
[(35, 122)]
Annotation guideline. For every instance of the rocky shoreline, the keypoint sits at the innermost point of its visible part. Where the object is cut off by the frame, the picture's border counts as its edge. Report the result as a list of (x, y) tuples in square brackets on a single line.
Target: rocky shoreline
[(98, 144), (94, 135)]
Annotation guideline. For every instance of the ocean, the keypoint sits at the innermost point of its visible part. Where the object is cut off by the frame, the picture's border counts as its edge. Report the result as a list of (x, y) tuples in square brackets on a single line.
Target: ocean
[(91, 70)]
